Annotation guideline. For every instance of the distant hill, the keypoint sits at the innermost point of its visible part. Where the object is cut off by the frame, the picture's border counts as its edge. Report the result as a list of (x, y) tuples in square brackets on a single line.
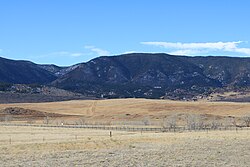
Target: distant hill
[(229, 71), (24, 93), (23, 72), (137, 75), (155, 75)]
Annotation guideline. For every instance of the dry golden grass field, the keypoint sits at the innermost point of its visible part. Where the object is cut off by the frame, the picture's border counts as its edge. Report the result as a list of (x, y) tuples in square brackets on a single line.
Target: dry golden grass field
[(135, 109), (47, 146), (34, 146)]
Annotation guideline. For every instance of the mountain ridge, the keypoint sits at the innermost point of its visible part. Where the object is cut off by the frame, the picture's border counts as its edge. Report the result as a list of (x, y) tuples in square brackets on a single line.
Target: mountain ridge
[(145, 75)]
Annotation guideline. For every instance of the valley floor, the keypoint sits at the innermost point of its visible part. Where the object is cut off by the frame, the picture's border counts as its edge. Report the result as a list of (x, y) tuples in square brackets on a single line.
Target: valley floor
[(33, 146), (115, 111)]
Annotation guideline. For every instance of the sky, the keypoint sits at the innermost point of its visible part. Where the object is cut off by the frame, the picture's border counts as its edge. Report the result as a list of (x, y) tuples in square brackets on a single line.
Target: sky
[(65, 32)]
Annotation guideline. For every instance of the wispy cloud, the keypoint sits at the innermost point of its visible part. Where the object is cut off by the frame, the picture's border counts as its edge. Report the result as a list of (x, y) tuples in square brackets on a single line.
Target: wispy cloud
[(129, 52), (138, 51), (197, 48), (98, 51), (76, 54), (186, 52), (62, 54)]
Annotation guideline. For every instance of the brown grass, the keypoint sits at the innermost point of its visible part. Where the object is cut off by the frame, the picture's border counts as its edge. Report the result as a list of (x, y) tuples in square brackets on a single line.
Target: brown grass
[(32, 146), (135, 109)]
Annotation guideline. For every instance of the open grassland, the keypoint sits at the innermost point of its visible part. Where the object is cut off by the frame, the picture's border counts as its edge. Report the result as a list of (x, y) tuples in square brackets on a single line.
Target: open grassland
[(33, 146), (134, 109)]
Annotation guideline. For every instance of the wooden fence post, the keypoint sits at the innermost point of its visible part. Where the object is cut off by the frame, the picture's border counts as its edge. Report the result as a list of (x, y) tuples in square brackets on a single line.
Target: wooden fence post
[(110, 134)]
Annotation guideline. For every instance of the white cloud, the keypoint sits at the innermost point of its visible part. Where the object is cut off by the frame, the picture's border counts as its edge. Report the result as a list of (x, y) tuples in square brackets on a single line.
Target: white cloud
[(197, 48), (62, 53), (129, 52), (98, 51), (76, 54), (241, 50), (186, 52)]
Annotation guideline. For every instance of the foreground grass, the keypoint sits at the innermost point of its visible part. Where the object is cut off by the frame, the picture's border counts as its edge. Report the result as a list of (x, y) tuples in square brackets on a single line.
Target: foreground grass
[(30, 146)]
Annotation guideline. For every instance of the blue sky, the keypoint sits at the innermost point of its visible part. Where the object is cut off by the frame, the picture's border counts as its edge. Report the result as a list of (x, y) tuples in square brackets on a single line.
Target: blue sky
[(65, 32)]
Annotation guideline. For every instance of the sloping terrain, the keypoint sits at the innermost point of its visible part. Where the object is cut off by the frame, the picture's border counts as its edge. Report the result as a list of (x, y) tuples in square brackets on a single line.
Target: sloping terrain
[(23, 72), (23, 93), (21, 115), (17, 111), (229, 71), (140, 75), (139, 110), (156, 75), (56, 70)]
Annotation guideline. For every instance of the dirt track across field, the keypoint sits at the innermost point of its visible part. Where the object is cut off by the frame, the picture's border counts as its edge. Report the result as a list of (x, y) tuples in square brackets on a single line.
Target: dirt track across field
[(135, 109)]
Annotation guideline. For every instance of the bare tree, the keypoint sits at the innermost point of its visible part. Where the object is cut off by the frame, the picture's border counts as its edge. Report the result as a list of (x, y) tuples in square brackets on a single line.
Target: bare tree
[(199, 122), (246, 120), (2, 119), (195, 121), (215, 124), (30, 121), (170, 122), (191, 121), (228, 122), (46, 120), (146, 121), (80, 121), (7, 118)]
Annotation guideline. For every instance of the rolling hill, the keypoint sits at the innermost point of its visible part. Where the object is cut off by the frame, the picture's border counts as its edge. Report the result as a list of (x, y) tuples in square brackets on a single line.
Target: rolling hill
[(23, 72)]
